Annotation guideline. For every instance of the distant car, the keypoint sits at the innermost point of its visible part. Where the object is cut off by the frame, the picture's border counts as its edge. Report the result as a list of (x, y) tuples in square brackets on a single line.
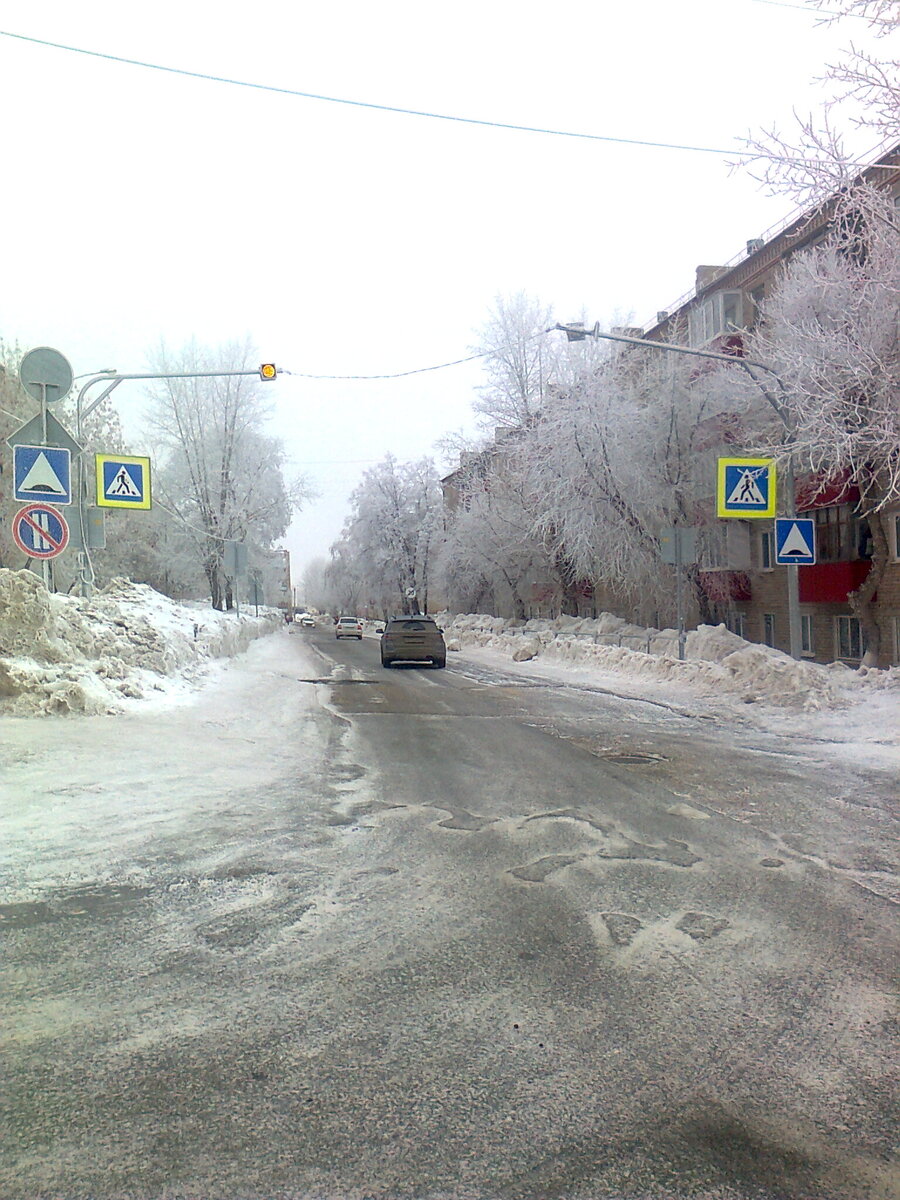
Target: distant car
[(413, 639), (308, 621), (349, 627)]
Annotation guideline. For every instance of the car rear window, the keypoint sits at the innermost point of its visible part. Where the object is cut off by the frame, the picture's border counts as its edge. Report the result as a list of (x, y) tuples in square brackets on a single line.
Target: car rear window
[(411, 626)]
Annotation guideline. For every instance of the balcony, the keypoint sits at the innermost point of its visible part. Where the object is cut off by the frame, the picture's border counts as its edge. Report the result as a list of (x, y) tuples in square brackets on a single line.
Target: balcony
[(831, 582)]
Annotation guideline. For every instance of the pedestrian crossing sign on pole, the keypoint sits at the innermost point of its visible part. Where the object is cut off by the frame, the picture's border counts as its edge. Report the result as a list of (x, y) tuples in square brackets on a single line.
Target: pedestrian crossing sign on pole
[(795, 541), (746, 487), (122, 482)]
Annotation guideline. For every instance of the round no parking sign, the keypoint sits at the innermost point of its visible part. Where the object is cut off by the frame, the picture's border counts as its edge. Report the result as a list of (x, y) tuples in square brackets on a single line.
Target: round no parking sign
[(40, 531)]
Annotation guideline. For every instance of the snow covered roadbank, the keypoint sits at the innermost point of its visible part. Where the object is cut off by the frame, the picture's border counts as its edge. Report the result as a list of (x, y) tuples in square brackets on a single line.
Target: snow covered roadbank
[(63, 654), (715, 659), (853, 715)]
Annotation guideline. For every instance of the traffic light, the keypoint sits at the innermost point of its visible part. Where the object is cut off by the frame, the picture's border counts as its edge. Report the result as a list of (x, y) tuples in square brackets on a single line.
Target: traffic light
[(267, 371)]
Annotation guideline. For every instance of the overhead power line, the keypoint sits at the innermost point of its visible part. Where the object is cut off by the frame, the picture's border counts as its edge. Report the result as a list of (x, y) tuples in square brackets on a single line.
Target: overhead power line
[(455, 362), (391, 108), (731, 152), (397, 374)]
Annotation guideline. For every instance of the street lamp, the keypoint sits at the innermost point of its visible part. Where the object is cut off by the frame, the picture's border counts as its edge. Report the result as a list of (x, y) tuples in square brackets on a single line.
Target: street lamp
[(577, 332)]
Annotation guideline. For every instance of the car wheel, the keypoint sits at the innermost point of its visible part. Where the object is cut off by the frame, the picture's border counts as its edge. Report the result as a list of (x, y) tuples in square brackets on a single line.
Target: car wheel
[(439, 662), (359, 637), (386, 662)]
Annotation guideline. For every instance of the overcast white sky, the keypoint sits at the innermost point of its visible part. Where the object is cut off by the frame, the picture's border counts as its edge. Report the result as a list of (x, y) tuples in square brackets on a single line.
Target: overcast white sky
[(141, 205)]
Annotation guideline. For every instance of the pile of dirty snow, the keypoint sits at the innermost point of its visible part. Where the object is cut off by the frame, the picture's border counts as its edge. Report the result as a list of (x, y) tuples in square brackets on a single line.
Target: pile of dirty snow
[(715, 660), (62, 654)]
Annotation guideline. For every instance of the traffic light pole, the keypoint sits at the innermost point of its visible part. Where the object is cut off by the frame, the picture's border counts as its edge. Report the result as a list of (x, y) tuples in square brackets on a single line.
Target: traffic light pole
[(83, 409)]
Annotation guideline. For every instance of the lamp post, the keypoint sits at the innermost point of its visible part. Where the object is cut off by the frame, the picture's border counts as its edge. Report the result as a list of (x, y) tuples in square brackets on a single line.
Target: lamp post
[(577, 332)]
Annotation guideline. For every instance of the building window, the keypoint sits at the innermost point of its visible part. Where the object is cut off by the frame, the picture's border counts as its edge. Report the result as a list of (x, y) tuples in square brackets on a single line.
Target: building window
[(837, 533), (735, 622), (769, 629), (731, 311), (721, 313), (850, 641), (894, 533), (714, 547), (767, 550), (807, 641)]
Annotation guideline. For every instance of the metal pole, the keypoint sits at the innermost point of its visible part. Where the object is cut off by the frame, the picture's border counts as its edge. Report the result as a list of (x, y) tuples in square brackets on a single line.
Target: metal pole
[(679, 599), (793, 576), (46, 573)]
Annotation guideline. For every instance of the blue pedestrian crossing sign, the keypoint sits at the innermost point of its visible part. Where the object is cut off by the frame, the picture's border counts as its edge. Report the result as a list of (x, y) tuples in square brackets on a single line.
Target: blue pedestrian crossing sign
[(42, 473), (795, 541), (746, 487), (122, 481)]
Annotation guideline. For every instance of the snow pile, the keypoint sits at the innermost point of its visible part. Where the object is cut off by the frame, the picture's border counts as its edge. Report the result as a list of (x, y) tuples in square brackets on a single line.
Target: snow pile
[(715, 659), (61, 654)]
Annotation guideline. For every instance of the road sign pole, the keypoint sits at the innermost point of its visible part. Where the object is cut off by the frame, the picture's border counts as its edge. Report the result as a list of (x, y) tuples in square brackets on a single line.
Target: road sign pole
[(83, 556), (46, 572), (679, 576), (793, 576)]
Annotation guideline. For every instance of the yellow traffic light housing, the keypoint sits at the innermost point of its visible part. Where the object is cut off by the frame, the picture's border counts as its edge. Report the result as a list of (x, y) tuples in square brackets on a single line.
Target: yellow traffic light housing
[(267, 371)]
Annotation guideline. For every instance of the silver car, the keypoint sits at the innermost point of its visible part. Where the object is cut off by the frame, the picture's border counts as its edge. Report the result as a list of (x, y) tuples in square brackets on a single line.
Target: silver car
[(413, 639)]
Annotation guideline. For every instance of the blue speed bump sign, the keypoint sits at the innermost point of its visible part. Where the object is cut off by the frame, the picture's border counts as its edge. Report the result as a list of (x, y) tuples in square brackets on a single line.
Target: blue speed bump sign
[(122, 481), (746, 487), (795, 541), (42, 473)]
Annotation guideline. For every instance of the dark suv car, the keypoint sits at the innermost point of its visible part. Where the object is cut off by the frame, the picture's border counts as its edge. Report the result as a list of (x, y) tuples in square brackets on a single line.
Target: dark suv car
[(413, 639)]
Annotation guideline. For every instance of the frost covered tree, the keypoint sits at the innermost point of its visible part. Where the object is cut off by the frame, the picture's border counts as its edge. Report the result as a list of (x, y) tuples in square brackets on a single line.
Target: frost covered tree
[(16, 407), (389, 540), (314, 586), (830, 333), (623, 452), (863, 95), (346, 589), (520, 363), (830, 327), (221, 476), (489, 550)]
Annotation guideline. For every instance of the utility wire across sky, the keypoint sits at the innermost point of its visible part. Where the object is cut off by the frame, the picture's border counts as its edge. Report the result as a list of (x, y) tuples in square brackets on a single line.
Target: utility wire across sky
[(731, 152)]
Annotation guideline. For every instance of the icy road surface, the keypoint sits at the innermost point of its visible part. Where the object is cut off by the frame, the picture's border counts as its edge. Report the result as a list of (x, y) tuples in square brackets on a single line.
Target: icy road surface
[(325, 930)]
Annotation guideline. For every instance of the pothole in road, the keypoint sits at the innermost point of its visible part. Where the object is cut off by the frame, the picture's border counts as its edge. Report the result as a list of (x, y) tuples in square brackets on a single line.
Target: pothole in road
[(631, 758), (100, 900), (338, 682), (702, 926)]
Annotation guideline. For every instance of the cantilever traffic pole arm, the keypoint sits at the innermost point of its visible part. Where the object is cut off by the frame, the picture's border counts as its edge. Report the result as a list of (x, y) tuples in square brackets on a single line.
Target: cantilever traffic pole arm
[(113, 379), (80, 411)]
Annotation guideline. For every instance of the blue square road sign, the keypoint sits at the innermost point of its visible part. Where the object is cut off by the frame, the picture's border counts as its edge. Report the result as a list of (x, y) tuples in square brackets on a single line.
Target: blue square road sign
[(795, 541), (42, 473)]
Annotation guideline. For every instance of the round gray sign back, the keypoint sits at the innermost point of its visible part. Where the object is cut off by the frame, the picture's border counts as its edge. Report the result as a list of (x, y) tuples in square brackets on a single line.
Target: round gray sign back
[(45, 374)]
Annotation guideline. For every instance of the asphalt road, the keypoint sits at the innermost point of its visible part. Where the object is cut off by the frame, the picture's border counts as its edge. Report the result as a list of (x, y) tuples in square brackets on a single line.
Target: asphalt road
[(346, 932)]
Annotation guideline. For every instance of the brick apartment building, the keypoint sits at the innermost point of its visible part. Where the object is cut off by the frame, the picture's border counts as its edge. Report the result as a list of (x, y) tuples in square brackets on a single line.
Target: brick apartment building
[(751, 596), (729, 297)]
